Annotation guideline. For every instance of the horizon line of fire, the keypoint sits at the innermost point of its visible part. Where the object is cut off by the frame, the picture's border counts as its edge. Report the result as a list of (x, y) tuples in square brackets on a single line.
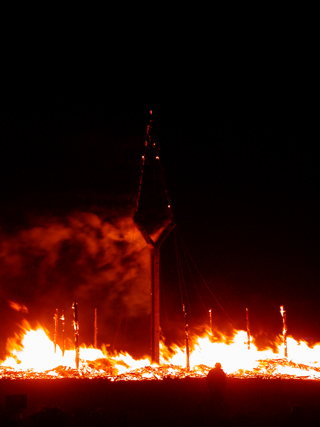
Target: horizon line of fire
[(76, 331)]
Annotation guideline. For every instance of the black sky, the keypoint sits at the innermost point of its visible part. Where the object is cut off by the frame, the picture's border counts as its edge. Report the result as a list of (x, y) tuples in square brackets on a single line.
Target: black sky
[(238, 142)]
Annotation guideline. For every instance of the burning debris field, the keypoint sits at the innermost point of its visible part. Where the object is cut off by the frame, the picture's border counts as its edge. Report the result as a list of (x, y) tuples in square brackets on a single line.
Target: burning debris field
[(33, 355), (262, 385)]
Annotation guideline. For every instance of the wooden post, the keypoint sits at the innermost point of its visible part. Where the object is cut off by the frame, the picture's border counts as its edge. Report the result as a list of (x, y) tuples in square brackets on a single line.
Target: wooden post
[(248, 328), (284, 330), (55, 330), (187, 338), (76, 333), (63, 332), (95, 328), (211, 324), (155, 305)]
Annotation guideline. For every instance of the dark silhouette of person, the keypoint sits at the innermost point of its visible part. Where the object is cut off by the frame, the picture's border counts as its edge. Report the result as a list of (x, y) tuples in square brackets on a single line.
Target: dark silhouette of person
[(216, 381)]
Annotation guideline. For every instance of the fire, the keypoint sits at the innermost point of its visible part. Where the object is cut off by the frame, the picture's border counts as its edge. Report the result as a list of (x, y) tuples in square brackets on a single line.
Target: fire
[(31, 355), (18, 307)]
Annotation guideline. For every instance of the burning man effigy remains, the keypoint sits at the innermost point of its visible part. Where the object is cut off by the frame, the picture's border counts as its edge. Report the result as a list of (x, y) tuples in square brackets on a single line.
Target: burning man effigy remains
[(31, 354), (154, 219)]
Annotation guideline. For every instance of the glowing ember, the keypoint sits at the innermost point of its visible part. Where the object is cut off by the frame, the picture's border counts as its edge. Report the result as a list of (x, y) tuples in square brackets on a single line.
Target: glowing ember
[(32, 355)]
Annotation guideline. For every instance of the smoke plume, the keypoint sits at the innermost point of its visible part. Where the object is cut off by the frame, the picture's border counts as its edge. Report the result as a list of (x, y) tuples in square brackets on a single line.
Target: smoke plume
[(83, 257)]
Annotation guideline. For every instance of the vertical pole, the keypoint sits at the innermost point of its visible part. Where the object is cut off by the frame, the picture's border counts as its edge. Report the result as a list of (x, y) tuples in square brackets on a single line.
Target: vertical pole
[(95, 327), (155, 305), (248, 328), (55, 330), (187, 337), (284, 330), (76, 332), (63, 330), (211, 325)]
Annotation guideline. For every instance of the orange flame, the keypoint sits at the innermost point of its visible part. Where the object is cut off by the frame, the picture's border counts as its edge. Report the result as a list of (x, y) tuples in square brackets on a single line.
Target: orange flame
[(18, 307), (31, 355)]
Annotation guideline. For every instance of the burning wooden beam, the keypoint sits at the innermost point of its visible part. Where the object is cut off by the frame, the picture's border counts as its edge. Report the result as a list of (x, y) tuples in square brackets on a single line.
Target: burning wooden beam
[(95, 328), (76, 332), (211, 324), (187, 338), (284, 330), (62, 318), (248, 328), (55, 317)]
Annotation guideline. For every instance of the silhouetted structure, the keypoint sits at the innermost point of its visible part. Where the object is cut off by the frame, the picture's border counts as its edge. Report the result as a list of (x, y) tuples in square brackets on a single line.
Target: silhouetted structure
[(154, 219)]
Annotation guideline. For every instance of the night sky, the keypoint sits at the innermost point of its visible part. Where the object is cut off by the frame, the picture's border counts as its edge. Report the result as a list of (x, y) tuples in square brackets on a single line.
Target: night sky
[(238, 144)]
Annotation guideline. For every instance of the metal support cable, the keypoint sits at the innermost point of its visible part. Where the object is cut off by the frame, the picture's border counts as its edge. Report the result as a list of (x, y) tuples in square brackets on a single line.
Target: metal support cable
[(204, 281), (180, 274)]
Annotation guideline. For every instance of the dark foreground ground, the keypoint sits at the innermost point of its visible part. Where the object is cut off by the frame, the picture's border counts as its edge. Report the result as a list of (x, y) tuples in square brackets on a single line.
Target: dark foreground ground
[(72, 402)]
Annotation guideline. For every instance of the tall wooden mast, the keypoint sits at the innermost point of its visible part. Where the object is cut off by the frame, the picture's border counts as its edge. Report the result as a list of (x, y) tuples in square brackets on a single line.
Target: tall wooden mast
[(154, 219)]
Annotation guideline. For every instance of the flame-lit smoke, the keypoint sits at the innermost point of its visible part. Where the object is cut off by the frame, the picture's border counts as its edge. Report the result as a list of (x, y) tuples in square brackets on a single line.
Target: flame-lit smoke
[(18, 307), (79, 257)]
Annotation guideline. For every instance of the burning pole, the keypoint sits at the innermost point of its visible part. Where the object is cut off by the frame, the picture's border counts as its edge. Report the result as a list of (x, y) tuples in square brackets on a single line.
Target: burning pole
[(187, 336), (63, 332), (95, 327), (76, 332), (55, 318), (284, 330), (211, 324), (248, 328)]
